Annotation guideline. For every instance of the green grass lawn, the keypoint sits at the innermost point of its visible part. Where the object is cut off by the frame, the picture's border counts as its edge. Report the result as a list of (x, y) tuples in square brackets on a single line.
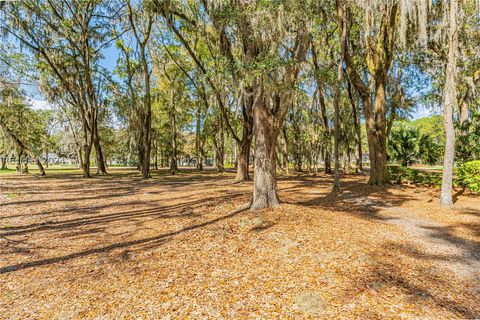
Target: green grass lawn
[(7, 171), (32, 169), (63, 169)]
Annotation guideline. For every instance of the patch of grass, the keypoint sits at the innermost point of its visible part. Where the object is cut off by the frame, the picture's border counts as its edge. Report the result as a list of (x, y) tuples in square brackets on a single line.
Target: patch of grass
[(7, 170), (11, 195), (7, 226)]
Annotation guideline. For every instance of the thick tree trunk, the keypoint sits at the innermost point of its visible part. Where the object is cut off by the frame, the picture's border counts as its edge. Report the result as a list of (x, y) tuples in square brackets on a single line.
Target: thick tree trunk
[(450, 102), (377, 139), (4, 163), (264, 181)]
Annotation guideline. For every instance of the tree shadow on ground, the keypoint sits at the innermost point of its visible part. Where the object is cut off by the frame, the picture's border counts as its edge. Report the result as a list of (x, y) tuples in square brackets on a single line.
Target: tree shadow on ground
[(156, 240), (183, 209), (367, 202), (356, 198), (428, 285)]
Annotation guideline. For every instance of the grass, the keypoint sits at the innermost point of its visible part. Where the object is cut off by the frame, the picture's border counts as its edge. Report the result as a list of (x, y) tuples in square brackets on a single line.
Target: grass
[(7, 170), (52, 169)]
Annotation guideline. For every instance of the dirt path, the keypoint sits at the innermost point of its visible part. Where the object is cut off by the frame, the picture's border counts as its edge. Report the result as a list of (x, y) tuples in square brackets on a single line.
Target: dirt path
[(429, 238), (456, 255)]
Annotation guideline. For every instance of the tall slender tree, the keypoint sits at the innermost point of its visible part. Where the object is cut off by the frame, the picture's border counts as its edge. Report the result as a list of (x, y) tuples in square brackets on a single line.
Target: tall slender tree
[(449, 104)]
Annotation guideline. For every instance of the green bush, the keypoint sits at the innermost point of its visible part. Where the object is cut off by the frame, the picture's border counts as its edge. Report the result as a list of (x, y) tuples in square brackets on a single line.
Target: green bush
[(399, 174), (469, 175)]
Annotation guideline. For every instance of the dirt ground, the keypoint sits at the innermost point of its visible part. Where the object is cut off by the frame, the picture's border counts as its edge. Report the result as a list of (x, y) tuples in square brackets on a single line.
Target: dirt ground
[(178, 247)]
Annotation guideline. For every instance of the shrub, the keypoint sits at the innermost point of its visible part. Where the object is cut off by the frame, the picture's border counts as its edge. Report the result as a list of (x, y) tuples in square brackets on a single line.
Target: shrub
[(469, 175), (399, 174)]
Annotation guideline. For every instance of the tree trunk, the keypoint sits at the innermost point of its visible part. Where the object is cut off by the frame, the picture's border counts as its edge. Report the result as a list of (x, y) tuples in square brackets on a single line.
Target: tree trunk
[(379, 58), (220, 145), (140, 150), (336, 99), (101, 168), (220, 159), (4, 163), (80, 157), (358, 133), (40, 167), (244, 159), (377, 139), (378, 158), (297, 149), (86, 160), (198, 153), (328, 158), (18, 167), (146, 111), (359, 154), (467, 98), (336, 179), (285, 150), (147, 143), (156, 153), (450, 102), (264, 181), (173, 124)]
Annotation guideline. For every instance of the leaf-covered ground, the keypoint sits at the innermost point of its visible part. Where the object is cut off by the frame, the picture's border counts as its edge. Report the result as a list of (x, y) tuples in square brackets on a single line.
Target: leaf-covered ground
[(178, 247)]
